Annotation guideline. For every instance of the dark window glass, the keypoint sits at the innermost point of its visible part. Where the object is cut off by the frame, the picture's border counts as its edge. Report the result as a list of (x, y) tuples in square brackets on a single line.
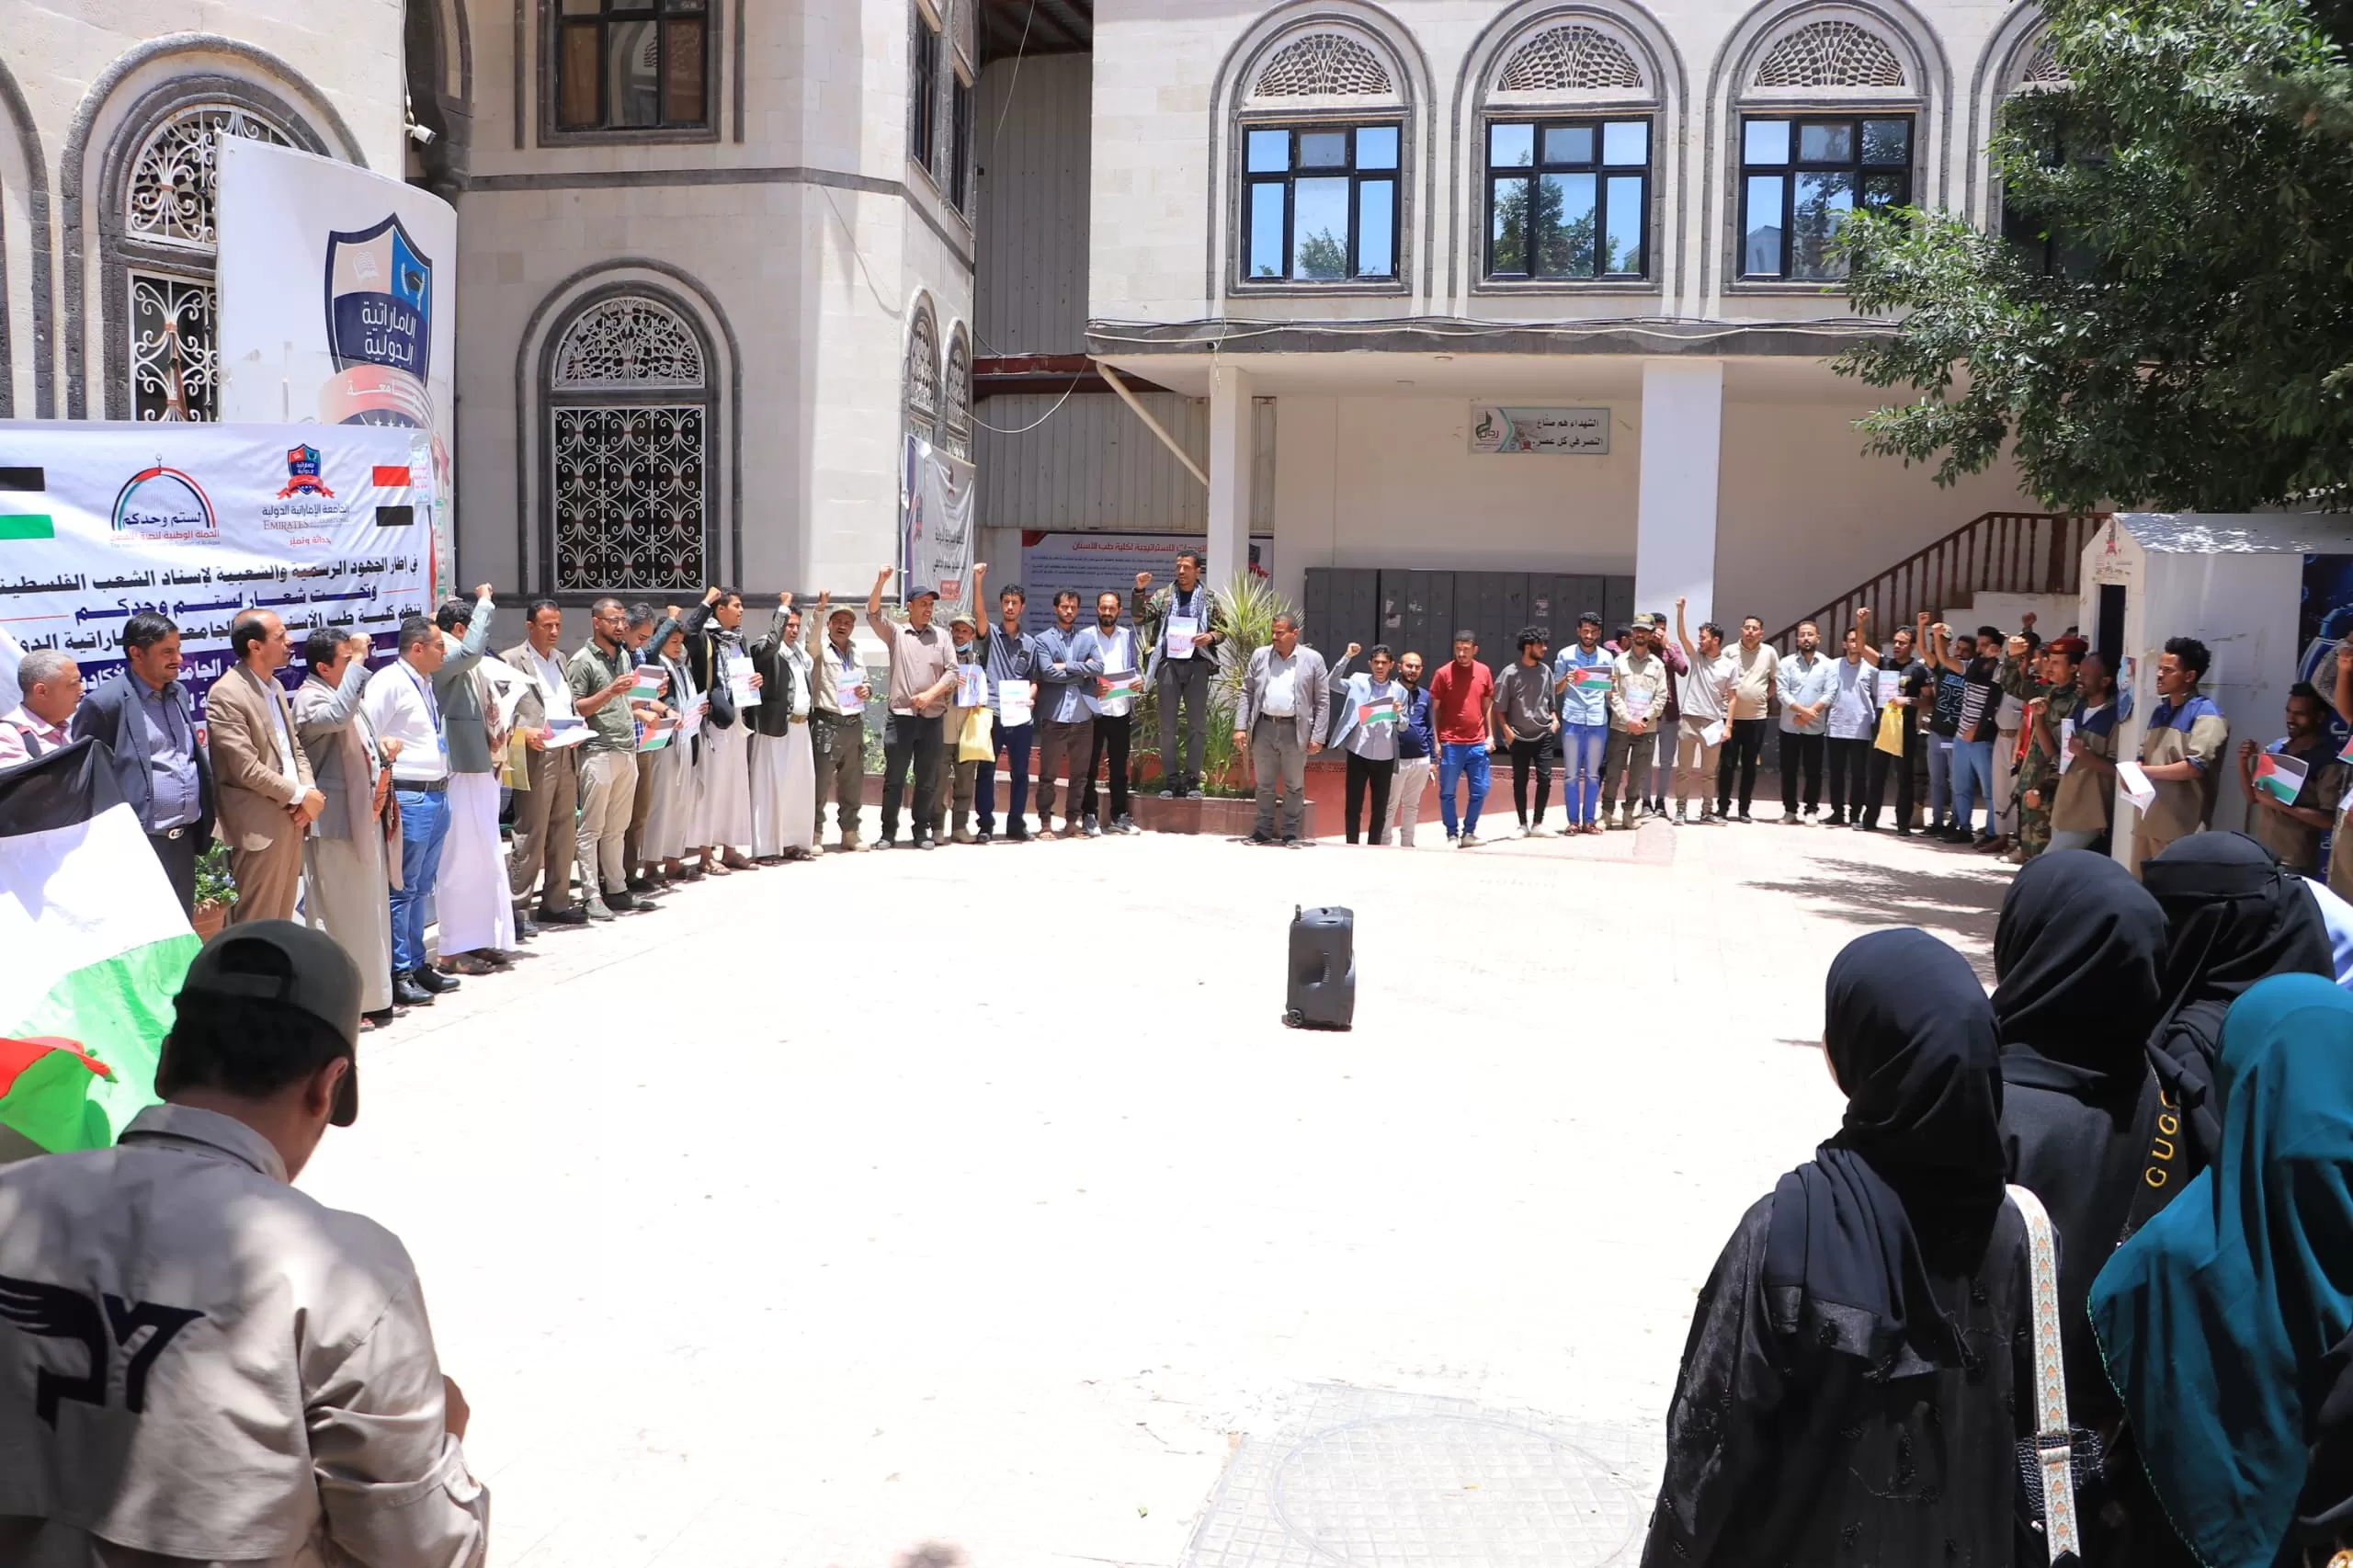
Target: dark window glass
[(1568, 199), (2043, 246), (1319, 203), (923, 93), (632, 65), (1803, 178), (959, 145)]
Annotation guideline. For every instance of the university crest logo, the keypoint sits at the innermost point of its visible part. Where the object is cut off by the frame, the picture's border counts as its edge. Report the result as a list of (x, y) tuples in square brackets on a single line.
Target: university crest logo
[(302, 474), (379, 327)]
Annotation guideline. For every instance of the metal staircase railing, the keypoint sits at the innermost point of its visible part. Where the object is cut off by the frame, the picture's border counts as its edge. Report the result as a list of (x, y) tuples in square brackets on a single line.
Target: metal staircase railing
[(1995, 552)]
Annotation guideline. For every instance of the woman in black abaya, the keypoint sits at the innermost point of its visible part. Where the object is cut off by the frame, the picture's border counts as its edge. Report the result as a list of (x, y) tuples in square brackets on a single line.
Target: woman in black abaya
[(2234, 916), (2088, 1127), (1859, 1369)]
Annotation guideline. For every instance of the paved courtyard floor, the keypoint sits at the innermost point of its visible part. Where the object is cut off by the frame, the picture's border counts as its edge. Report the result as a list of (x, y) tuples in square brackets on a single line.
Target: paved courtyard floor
[(975, 1207)]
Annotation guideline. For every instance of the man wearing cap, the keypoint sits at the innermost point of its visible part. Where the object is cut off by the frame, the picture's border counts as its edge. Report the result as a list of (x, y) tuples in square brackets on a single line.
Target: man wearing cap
[(922, 676), (959, 775), (838, 725), (2051, 704), (199, 1364)]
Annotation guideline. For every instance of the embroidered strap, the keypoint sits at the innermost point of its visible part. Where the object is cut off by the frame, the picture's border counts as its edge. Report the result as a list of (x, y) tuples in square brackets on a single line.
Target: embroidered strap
[(2052, 1443)]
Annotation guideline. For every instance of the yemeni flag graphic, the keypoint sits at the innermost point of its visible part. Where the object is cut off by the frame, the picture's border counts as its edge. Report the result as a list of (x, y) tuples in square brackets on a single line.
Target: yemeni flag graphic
[(94, 947), (2281, 778)]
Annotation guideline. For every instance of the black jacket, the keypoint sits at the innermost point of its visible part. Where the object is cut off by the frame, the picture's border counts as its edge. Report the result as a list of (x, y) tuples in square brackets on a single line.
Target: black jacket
[(773, 717), (703, 643), (110, 714)]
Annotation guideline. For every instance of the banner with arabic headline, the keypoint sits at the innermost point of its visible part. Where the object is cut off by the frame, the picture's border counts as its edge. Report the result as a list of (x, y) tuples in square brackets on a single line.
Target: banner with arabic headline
[(327, 526)]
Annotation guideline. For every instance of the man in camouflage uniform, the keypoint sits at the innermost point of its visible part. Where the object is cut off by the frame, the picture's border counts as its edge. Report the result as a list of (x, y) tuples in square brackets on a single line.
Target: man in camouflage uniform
[(2052, 695)]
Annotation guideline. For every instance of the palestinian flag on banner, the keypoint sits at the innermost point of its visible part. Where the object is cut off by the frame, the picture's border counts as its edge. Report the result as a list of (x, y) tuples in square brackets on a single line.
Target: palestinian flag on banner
[(1110, 687), (2281, 778), (1593, 677), (96, 948), (1380, 710)]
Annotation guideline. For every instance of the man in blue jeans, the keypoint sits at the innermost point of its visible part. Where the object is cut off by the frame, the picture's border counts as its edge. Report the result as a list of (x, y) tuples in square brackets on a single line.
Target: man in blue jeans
[(1582, 681), (1973, 667), (407, 721), (1462, 703), (1009, 656)]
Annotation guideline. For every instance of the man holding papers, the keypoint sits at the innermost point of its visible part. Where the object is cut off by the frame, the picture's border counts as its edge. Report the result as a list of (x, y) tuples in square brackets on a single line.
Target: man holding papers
[(1185, 638), (922, 677), (1108, 653), (546, 798), (2084, 800), (603, 676), (783, 772), (1011, 661), (2294, 784), (1584, 678), (838, 725), (1706, 700), (1637, 707), (2184, 741)]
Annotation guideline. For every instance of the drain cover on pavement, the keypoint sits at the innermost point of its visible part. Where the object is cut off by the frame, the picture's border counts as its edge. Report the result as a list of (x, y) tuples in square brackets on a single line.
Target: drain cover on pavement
[(1368, 1480)]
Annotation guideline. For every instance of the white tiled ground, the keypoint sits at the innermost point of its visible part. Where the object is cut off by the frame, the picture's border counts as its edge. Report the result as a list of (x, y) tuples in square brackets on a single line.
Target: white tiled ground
[(977, 1202)]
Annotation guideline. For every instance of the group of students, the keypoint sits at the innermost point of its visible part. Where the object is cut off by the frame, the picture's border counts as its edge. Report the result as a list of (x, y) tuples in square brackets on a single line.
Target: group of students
[(2125, 1178)]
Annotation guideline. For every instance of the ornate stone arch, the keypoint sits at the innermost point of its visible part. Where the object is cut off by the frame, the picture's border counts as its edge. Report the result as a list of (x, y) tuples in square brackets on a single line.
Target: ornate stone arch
[(1826, 56), (629, 399), (2017, 57), (1322, 59), (26, 331), (127, 100), (956, 396), (920, 385)]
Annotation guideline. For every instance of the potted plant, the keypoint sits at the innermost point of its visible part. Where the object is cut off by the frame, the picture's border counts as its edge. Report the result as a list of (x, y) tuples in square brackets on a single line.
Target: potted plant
[(215, 892)]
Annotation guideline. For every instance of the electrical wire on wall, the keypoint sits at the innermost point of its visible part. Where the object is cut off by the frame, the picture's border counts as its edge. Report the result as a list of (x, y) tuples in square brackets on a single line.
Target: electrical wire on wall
[(1001, 430)]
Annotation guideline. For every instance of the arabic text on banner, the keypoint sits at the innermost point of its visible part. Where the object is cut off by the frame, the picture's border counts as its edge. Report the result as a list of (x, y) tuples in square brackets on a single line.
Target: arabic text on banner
[(326, 526)]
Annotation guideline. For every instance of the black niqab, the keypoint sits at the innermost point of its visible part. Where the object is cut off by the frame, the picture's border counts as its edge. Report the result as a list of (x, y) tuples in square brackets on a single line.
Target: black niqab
[(2079, 953), (1914, 1180), (2234, 916)]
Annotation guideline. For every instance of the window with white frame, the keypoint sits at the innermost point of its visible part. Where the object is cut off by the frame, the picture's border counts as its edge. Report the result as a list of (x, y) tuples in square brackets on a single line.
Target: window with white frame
[(1567, 146), (923, 88), (631, 66), (1322, 153), (1829, 125)]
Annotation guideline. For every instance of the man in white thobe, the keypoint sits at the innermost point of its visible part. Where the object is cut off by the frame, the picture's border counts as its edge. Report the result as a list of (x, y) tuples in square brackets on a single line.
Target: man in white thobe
[(784, 774)]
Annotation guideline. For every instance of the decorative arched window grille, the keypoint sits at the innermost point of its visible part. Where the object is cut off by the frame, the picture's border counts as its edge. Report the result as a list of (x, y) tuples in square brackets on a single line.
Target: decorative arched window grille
[(2041, 67), (1831, 54), (922, 377), (631, 423), (1804, 170), (167, 209), (956, 430), (1568, 143), (1322, 65)]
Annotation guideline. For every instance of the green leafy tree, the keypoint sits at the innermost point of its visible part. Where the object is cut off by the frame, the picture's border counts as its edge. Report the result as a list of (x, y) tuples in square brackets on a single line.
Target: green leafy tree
[(1322, 256), (2178, 329), (1562, 249)]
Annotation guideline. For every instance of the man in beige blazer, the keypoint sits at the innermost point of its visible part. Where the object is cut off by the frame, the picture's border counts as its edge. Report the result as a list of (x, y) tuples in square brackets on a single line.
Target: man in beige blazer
[(350, 880), (267, 798)]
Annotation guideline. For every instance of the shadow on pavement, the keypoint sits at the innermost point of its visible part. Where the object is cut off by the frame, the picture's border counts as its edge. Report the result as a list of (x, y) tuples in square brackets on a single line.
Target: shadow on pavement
[(1964, 901)]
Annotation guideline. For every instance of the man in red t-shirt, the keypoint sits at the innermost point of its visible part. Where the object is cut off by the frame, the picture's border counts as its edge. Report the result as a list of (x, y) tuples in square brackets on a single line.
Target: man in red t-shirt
[(1462, 702)]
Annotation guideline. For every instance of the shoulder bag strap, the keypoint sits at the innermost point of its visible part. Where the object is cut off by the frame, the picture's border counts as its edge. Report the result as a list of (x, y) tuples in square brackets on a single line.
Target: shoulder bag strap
[(2052, 1443)]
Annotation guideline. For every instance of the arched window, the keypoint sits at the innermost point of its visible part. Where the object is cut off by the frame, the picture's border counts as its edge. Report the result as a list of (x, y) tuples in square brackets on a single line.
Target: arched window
[(2039, 67), (631, 416), (165, 241), (956, 429), (1568, 139), (1830, 115), (1323, 139), (923, 376)]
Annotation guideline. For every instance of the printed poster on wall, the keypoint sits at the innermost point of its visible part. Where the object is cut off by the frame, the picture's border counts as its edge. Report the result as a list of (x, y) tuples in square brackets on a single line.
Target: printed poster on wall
[(101, 520), (1581, 432), (338, 305), (936, 496), (1092, 563)]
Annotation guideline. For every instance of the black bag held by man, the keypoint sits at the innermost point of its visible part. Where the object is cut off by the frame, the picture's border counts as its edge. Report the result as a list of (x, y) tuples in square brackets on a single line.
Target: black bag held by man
[(1322, 992)]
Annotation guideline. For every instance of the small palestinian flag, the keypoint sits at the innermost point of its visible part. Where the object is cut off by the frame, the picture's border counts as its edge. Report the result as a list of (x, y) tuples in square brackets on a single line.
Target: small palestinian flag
[(1112, 688), (1592, 677), (1380, 710), (2281, 778), (96, 948), (2346, 754)]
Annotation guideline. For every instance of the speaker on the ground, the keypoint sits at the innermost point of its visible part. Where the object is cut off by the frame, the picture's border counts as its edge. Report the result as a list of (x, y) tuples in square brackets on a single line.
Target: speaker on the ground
[(1322, 992)]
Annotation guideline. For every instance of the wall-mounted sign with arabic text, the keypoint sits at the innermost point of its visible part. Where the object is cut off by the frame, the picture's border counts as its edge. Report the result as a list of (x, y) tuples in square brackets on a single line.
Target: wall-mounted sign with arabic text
[(1582, 432)]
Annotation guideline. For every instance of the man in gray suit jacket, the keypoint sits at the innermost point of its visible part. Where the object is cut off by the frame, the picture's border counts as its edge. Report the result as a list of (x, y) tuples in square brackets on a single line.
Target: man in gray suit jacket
[(1281, 719), (142, 713), (349, 881)]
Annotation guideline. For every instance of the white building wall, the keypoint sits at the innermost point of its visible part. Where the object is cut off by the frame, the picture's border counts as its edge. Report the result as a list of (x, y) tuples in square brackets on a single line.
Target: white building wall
[(73, 78)]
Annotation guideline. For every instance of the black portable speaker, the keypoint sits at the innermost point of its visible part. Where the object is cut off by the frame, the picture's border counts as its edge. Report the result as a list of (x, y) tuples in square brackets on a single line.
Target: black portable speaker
[(1322, 992)]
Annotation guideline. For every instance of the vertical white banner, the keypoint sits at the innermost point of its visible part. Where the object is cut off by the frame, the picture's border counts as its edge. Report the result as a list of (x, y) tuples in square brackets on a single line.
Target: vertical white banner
[(338, 306)]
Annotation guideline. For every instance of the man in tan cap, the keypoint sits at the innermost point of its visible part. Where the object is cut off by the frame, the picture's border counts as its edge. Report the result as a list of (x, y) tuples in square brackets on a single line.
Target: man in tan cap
[(199, 1364)]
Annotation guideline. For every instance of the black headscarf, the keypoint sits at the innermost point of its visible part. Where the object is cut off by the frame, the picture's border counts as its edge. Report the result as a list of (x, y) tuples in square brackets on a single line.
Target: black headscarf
[(1913, 1177), (2079, 953), (2233, 917)]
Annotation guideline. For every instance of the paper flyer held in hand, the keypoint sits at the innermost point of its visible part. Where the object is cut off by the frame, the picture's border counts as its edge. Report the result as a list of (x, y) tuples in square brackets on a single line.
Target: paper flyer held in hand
[(650, 680), (972, 686), (846, 693), (1111, 687), (1013, 702), (739, 681), (2137, 787), (1182, 630), (563, 732), (1638, 705), (1380, 710)]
